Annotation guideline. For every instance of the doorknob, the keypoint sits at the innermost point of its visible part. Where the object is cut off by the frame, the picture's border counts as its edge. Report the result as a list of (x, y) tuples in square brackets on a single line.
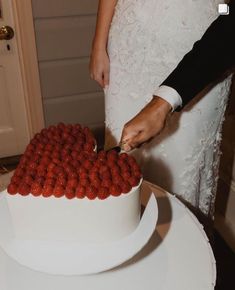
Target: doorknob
[(6, 33)]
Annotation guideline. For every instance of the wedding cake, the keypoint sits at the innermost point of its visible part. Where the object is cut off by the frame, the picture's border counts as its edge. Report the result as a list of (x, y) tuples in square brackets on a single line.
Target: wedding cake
[(62, 190)]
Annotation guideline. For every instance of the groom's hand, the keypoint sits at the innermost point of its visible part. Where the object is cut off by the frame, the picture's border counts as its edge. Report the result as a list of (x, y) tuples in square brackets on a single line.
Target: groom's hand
[(146, 124)]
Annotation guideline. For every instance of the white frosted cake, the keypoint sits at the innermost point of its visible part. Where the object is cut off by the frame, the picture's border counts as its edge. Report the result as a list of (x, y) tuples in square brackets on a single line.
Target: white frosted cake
[(64, 191)]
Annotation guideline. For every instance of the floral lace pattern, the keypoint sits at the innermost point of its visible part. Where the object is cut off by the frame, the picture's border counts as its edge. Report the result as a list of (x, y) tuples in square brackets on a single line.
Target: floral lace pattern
[(146, 41)]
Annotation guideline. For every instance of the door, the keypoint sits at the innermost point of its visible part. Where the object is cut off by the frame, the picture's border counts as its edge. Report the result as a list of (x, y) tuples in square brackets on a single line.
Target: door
[(14, 131), (64, 32)]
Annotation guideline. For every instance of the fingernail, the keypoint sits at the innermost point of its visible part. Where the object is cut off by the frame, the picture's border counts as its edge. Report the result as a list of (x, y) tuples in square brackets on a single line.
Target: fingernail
[(126, 147)]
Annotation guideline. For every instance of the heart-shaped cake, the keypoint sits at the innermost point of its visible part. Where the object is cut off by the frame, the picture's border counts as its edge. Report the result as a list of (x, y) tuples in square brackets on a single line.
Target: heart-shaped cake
[(63, 189), (61, 161)]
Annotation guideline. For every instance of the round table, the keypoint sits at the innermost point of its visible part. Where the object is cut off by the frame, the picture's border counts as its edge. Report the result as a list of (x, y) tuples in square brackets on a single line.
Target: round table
[(177, 257)]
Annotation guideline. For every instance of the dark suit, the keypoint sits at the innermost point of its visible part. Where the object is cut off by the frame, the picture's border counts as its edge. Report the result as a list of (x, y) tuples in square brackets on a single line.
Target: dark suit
[(209, 58)]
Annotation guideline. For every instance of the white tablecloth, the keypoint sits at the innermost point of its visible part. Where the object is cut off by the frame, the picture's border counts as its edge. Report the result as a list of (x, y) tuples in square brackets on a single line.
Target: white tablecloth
[(178, 257)]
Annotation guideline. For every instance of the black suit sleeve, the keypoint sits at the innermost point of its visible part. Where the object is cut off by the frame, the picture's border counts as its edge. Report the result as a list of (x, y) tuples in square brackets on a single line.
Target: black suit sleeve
[(209, 58)]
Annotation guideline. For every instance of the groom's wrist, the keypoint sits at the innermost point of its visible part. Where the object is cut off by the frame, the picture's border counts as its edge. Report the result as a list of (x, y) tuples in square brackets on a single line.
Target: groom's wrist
[(170, 95)]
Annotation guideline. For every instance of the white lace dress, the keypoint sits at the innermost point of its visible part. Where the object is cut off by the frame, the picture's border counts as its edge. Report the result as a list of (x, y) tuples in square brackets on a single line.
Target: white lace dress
[(146, 41)]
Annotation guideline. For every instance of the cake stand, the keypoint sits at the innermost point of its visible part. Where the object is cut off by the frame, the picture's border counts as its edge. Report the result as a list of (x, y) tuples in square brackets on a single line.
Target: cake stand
[(178, 257)]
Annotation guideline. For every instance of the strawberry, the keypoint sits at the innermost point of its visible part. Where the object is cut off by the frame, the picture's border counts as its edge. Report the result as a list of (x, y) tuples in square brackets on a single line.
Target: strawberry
[(70, 139), (50, 167), (121, 162), (24, 189), (72, 183), (102, 155), (70, 192), (40, 167), (82, 170), (12, 188), (106, 182), (93, 175), (62, 174), (87, 164), (78, 127), (92, 156), (24, 160), (75, 163), (61, 126), (31, 172), (125, 167), (29, 153), (61, 181), (36, 189), (33, 165), (91, 192), (77, 147), (55, 154), (115, 170), (50, 181), (73, 175), (40, 179), (134, 181), (47, 154), (125, 187), (42, 173), (47, 190), (56, 161), (137, 173), (57, 170), (115, 190), (84, 182), (49, 147), (103, 168), (96, 182), (16, 179), (28, 179), (112, 155), (50, 174), (88, 147), (103, 193), (80, 192), (19, 172), (58, 191), (117, 179), (123, 156), (74, 154), (111, 163), (126, 175)]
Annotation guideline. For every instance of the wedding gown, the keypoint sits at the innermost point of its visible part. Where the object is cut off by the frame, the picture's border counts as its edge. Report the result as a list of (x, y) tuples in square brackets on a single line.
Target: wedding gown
[(147, 39)]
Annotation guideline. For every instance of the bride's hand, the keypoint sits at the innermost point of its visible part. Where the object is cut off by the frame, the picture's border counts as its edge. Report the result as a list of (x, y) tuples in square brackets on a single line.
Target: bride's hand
[(148, 123), (99, 67)]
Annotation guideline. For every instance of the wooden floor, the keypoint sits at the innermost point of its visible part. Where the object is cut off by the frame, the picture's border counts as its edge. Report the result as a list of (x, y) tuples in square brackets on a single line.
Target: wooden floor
[(225, 258)]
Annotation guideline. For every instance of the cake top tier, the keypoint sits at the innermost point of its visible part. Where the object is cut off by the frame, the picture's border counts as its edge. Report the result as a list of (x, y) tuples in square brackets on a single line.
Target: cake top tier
[(61, 161)]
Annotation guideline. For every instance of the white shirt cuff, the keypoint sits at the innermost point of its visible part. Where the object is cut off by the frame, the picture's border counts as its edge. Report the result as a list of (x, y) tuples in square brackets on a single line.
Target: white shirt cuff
[(170, 95)]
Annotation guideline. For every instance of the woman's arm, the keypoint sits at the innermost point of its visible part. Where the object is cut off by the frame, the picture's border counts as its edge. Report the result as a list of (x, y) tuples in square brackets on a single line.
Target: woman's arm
[(99, 62)]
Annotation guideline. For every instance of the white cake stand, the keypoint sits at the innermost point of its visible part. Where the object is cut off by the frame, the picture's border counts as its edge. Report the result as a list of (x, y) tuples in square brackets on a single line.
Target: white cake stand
[(178, 257)]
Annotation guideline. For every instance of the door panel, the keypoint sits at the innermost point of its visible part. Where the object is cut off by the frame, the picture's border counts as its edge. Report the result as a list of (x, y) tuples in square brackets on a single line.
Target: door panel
[(66, 78), (66, 37), (72, 108), (14, 133), (55, 8)]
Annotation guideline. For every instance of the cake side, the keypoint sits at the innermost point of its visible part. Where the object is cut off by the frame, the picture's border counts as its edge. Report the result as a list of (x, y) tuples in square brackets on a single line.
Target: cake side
[(77, 220)]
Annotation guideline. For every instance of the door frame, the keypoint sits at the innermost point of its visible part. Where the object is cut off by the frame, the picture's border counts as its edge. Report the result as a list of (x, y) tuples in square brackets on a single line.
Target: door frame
[(25, 37)]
